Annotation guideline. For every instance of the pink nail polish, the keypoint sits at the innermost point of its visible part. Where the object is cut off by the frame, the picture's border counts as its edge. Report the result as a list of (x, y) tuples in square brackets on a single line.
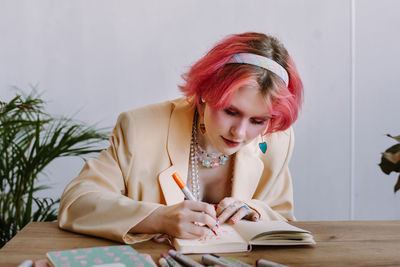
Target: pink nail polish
[(232, 220)]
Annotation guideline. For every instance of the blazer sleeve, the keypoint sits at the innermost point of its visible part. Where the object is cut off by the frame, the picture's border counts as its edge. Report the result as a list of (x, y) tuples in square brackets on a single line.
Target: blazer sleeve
[(95, 202), (273, 199)]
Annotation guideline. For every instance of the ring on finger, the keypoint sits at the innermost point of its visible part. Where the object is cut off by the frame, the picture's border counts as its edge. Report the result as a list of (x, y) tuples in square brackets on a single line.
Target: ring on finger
[(246, 208)]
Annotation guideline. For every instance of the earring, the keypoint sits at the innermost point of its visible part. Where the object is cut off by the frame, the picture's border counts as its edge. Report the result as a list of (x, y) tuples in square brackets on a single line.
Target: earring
[(201, 124), (262, 145), (203, 128)]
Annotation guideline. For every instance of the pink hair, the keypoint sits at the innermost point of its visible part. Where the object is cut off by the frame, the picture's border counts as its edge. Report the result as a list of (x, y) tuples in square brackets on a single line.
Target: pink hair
[(215, 81)]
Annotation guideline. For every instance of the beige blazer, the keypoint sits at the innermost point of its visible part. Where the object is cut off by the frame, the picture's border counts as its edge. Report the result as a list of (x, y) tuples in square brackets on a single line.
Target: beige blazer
[(132, 178)]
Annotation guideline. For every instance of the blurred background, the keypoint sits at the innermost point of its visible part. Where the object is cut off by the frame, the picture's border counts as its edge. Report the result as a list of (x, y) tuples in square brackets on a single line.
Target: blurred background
[(95, 59)]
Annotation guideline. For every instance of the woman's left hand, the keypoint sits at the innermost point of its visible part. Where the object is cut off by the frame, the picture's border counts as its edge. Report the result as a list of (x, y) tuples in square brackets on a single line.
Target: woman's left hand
[(234, 210)]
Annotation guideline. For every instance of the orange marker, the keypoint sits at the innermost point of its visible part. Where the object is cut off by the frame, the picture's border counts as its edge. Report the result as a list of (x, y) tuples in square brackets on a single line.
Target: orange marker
[(186, 191), (183, 187)]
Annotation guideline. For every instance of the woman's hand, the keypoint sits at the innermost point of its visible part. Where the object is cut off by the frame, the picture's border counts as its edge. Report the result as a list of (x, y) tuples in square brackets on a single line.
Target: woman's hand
[(234, 210), (181, 220)]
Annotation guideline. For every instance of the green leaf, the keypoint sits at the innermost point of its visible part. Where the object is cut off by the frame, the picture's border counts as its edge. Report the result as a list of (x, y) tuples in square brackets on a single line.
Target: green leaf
[(30, 139)]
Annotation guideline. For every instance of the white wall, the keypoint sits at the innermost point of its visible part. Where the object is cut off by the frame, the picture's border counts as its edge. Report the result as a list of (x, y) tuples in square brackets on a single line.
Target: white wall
[(104, 57)]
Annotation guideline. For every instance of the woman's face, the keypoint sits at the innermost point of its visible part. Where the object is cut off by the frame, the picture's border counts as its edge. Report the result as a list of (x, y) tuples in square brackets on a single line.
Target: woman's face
[(244, 119)]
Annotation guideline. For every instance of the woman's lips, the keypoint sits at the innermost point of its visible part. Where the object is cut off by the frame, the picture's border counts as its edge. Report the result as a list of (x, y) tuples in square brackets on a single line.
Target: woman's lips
[(229, 142)]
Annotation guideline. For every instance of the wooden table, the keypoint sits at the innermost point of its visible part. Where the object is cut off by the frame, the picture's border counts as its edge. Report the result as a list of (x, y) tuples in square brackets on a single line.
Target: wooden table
[(339, 243)]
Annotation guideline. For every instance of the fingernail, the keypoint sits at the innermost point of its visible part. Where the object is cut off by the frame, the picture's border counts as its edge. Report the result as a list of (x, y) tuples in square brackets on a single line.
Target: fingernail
[(218, 222), (232, 220)]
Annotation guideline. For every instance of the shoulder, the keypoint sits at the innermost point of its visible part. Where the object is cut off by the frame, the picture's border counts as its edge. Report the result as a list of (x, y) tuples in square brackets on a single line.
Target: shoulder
[(279, 147), (281, 138), (145, 112), (150, 115)]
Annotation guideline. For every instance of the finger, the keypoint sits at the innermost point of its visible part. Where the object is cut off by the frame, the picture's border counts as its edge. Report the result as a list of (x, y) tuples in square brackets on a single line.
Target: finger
[(227, 213), (203, 218), (194, 230), (240, 213), (189, 230), (253, 216), (202, 207), (209, 209), (223, 204), (227, 201), (220, 209), (194, 234), (198, 231)]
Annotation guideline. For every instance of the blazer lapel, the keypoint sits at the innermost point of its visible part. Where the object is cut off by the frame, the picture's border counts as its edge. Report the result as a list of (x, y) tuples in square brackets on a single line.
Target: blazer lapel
[(178, 148), (247, 171)]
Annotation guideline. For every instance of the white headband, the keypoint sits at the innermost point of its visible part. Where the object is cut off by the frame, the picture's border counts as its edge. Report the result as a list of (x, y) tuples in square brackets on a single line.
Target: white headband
[(263, 62)]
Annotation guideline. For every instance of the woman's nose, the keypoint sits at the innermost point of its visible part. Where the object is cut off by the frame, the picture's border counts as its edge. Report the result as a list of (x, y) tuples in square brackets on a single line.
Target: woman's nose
[(238, 130)]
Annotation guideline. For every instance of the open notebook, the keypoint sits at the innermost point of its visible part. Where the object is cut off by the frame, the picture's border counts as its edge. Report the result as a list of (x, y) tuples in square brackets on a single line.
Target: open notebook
[(238, 237)]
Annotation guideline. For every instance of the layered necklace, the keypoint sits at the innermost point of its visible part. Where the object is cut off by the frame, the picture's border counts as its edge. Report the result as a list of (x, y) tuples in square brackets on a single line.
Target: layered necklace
[(208, 160)]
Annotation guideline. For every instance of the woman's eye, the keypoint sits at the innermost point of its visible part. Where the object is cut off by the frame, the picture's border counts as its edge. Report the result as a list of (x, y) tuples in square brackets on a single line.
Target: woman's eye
[(257, 121), (230, 112)]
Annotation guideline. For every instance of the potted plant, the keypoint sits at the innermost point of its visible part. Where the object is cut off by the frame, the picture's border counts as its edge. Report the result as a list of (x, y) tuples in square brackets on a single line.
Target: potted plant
[(30, 139), (390, 161)]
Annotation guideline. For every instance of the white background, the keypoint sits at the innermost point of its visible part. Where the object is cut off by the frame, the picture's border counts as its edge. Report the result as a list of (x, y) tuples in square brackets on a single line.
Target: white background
[(103, 57)]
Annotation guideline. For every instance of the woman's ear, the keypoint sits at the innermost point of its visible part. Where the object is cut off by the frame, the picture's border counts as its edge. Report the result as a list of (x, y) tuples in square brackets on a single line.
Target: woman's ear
[(202, 107)]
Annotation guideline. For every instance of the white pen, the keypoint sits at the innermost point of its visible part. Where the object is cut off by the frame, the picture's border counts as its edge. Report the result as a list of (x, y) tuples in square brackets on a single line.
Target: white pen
[(163, 262), (210, 259), (266, 263), (186, 261), (170, 260)]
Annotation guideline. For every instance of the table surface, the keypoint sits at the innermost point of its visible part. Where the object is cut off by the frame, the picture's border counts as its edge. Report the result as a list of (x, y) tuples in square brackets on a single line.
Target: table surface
[(339, 243)]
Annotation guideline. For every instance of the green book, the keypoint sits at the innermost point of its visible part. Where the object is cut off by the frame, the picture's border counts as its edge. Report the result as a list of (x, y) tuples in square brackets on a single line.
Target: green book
[(109, 256)]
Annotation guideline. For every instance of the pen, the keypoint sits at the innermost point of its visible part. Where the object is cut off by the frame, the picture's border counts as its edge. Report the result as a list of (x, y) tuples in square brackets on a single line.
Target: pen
[(186, 192), (266, 263), (184, 259), (183, 187), (163, 262), (170, 260), (211, 259), (238, 262)]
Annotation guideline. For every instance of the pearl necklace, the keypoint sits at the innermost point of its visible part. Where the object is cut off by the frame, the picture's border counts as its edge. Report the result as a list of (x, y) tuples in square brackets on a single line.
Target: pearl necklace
[(194, 166), (209, 160)]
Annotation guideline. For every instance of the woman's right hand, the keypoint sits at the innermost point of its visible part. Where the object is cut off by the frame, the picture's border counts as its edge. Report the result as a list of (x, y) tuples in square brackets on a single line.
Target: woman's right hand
[(180, 220)]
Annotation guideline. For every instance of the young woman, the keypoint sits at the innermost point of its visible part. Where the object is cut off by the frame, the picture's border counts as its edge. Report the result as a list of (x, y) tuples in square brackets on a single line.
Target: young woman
[(229, 138)]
